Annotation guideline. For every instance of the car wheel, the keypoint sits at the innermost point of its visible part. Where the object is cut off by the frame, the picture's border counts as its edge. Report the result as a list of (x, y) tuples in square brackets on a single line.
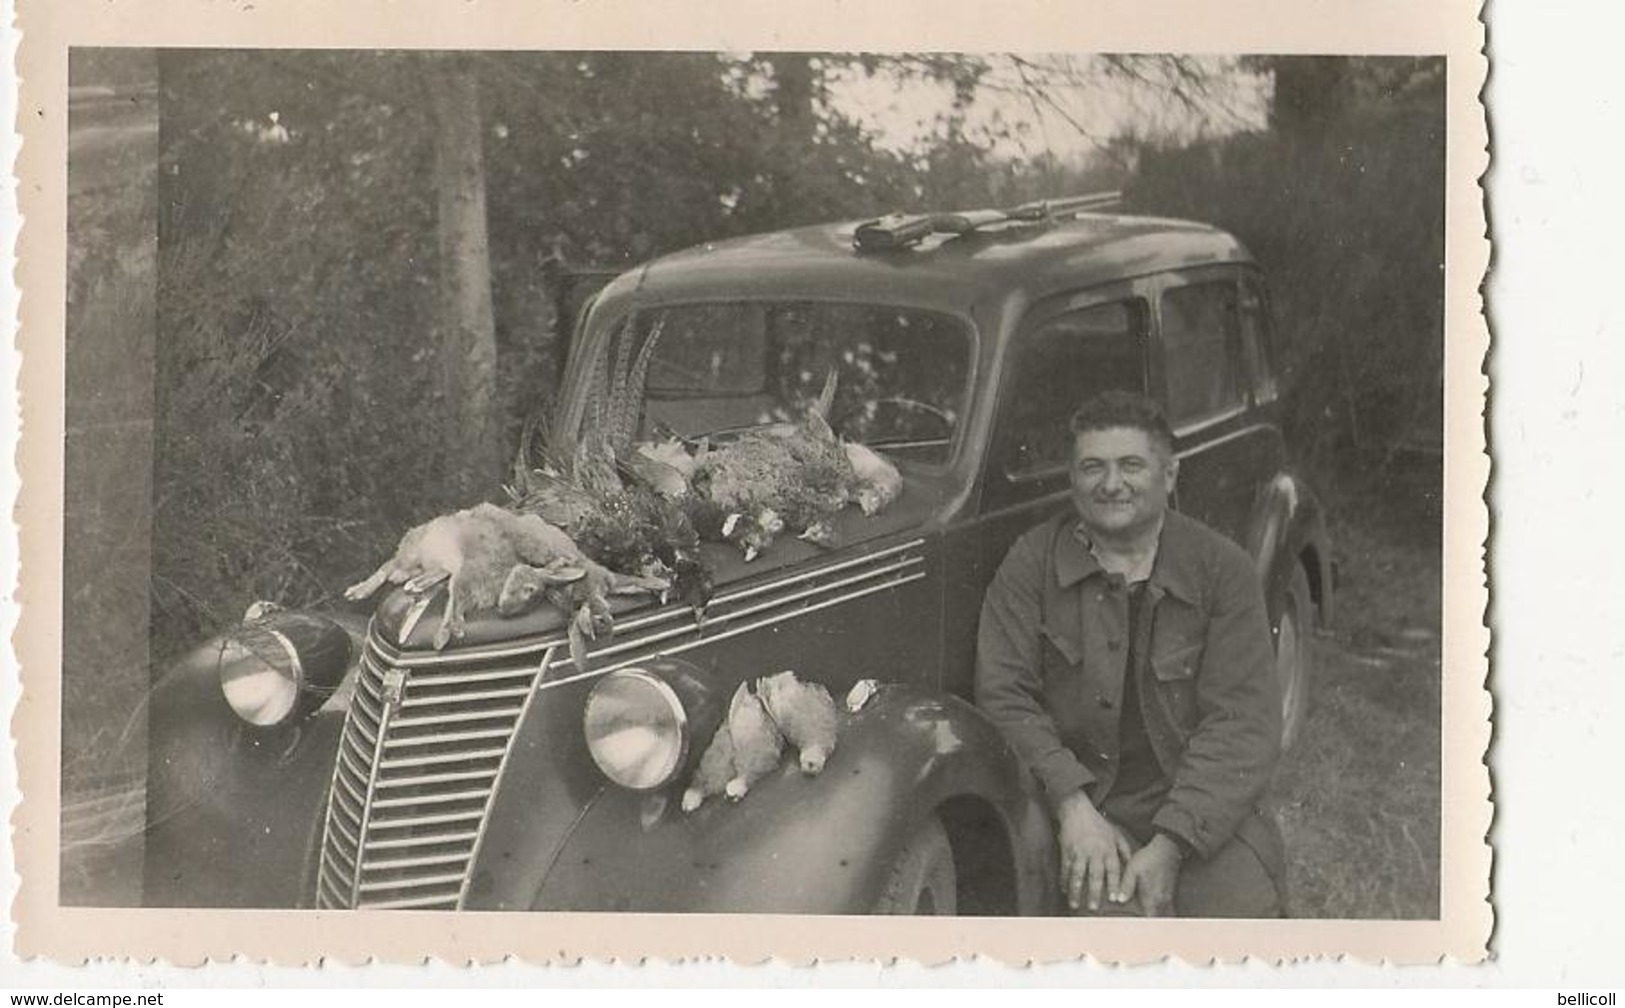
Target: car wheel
[(922, 880), (1293, 664)]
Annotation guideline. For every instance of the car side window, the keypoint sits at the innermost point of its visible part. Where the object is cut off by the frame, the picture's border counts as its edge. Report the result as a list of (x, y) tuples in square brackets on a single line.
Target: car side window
[(1257, 346), (1201, 344), (1063, 362)]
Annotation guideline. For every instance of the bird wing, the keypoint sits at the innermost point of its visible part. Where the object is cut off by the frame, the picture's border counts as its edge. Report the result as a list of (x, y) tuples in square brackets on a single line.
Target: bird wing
[(661, 477), (555, 499)]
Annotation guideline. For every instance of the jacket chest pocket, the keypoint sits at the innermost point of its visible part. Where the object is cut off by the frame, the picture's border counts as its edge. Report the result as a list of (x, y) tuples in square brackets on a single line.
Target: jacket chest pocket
[(1063, 654), (1175, 673), (1066, 688)]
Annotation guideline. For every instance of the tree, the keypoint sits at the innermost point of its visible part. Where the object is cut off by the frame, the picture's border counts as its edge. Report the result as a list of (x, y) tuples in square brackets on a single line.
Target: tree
[(1342, 202), (467, 389), (1312, 94)]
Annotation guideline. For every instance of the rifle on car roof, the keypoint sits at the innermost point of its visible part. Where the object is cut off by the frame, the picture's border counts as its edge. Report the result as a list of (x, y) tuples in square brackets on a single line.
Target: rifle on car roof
[(902, 230)]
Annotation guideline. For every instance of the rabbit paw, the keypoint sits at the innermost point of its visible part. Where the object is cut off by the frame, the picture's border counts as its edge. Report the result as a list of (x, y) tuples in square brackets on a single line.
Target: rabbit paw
[(443, 635)]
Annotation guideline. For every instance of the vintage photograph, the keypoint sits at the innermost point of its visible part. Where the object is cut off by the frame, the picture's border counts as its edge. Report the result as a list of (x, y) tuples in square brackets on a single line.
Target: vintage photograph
[(916, 483)]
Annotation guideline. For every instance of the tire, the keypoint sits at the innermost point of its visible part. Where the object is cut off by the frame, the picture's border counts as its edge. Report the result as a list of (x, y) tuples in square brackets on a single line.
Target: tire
[(1294, 665), (922, 879)]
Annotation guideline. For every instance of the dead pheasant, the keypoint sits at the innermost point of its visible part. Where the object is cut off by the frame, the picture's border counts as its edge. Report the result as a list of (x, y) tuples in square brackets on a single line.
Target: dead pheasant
[(665, 466), (620, 505), (876, 482), (797, 474)]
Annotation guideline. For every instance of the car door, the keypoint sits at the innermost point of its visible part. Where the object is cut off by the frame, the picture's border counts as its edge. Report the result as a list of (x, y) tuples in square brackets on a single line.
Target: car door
[(1065, 350), (1217, 387)]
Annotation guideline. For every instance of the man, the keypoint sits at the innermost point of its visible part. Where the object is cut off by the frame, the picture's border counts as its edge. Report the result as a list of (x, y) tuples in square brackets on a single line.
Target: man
[(1124, 650)]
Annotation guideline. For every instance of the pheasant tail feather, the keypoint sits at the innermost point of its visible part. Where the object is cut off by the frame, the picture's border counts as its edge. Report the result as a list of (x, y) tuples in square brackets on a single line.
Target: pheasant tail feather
[(826, 397), (629, 402)]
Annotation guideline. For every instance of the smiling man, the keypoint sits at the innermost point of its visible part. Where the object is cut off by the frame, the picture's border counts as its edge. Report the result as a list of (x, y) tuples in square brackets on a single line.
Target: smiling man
[(1124, 650)]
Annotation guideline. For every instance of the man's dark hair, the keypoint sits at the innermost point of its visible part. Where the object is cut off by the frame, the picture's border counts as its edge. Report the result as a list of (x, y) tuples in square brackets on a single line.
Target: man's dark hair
[(1124, 409)]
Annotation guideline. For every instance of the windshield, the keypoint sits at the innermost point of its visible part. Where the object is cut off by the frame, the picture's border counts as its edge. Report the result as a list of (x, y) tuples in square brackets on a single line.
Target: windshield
[(715, 368)]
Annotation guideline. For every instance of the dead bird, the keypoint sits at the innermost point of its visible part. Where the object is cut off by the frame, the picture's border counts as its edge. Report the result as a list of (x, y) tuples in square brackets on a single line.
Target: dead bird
[(674, 545), (664, 466), (743, 485), (752, 531), (804, 713), (563, 478), (797, 473), (636, 531), (623, 504), (761, 485), (746, 748), (876, 483), (630, 529)]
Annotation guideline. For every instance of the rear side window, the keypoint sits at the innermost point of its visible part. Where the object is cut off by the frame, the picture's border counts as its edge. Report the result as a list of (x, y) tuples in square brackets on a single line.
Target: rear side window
[(1065, 361), (1201, 343), (1257, 345)]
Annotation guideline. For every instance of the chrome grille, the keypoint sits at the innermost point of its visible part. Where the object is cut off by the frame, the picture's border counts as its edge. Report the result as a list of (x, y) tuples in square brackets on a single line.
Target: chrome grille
[(417, 764), (427, 733)]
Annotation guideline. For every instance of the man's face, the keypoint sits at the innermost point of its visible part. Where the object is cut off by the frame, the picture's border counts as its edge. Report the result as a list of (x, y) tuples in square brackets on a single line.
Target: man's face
[(1121, 480)]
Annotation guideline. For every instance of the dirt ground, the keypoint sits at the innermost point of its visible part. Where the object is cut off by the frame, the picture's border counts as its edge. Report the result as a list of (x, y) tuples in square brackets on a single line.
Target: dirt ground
[(1358, 796)]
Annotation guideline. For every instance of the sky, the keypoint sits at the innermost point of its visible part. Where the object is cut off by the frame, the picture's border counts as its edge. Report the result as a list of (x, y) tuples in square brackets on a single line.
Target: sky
[(1076, 119)]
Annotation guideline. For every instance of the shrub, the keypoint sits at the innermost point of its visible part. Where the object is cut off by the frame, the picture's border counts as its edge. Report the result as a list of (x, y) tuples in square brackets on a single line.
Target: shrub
[(1349, 225)]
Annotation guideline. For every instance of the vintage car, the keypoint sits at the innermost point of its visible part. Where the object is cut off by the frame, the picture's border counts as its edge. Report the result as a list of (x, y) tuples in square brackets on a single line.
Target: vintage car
[(373, 770)]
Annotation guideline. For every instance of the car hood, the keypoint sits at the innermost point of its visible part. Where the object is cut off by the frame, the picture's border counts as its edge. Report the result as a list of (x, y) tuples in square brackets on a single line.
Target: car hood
[(408, 623)]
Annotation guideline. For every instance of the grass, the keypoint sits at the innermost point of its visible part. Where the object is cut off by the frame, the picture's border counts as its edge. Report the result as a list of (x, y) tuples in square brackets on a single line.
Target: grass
[(106, 554), (1358, 797)]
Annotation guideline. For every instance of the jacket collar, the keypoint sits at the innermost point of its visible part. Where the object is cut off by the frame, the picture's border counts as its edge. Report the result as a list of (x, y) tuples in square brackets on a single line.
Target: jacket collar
[(1175, 570)]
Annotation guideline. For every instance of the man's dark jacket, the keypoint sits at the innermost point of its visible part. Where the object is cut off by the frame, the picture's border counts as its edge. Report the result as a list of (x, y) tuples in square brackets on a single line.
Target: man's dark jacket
[(1051, 662)]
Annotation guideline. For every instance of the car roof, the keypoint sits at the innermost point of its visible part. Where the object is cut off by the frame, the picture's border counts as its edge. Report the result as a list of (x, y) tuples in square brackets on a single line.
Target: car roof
[(1036, 259)]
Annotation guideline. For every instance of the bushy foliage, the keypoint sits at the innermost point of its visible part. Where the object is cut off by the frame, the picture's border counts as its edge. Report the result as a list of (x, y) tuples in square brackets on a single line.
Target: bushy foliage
[(294, 411), (104, 552), (1347, 219)]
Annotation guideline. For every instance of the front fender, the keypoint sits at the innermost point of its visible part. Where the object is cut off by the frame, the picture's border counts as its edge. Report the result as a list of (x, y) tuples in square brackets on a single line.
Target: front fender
[(234, 813), (1288, 528), (823, 844)]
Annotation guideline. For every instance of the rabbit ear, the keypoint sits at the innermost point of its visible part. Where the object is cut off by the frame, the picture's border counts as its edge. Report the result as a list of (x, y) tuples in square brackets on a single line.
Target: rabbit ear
[(557, 574)]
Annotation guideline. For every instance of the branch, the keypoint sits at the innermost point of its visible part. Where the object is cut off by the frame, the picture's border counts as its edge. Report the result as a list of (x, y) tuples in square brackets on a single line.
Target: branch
[(311, 67)]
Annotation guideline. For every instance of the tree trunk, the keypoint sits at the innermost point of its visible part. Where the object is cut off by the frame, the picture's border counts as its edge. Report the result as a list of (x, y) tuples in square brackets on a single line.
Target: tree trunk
[(794, 90), (1310, 93), (467, 397)]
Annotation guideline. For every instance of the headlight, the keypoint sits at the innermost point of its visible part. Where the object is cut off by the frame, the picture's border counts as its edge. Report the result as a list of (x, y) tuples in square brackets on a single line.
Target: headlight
[(637, 729), (279, 666), (260, 676)]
